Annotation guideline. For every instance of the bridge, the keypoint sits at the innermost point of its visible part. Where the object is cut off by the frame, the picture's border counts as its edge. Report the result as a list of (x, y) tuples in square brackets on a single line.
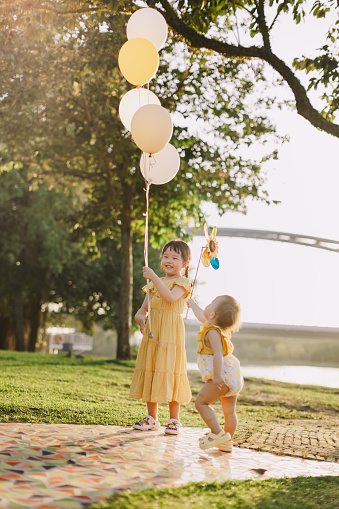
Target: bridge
[(292, 238)]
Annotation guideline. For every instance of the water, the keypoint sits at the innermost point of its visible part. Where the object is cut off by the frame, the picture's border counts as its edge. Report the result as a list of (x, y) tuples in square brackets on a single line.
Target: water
[(305, 375)]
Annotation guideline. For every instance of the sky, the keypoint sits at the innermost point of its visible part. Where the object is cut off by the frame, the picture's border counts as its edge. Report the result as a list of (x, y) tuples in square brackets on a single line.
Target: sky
[(275, 282)]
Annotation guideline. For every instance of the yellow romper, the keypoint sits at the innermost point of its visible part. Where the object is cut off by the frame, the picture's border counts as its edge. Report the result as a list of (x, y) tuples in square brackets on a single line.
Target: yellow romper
[(231, 366), (161, 369)]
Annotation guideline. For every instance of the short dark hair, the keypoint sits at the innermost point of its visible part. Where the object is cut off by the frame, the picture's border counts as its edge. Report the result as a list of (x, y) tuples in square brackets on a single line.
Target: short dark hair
[(180, 247), (227, 313)]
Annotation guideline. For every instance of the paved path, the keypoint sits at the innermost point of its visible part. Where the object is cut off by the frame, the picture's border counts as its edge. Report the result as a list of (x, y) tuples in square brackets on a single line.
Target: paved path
[(302, 439), (61, 466)]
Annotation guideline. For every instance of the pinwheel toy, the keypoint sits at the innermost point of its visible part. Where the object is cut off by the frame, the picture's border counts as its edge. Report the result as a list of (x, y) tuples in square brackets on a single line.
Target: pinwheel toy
[(209, 255)]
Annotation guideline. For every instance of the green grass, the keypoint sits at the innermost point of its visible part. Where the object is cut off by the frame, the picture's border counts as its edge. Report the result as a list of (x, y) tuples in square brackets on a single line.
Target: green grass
[(297, 493), (58, 389)]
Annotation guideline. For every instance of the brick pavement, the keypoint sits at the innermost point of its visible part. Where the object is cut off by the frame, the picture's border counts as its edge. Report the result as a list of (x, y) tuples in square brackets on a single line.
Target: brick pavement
[(299, 438)]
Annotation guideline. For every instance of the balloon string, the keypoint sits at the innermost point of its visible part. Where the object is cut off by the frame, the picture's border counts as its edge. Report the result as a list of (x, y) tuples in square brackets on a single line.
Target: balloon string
[(195, 278), (146, 258)]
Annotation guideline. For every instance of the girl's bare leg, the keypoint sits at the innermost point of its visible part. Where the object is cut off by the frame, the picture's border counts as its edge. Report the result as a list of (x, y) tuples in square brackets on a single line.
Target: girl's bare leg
[(153, 410), (229, 409), (174, 409), (208, 395)]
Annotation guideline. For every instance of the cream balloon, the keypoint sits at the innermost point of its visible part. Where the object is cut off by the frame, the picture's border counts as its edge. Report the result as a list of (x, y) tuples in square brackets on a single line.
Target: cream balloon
[(138, 61), (132, 101), (151, 128), (162, 167), (149, 24)]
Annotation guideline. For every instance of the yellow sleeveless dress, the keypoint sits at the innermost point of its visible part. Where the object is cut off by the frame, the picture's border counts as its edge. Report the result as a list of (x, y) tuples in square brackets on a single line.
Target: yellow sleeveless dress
[(230, 371), (161, 369)]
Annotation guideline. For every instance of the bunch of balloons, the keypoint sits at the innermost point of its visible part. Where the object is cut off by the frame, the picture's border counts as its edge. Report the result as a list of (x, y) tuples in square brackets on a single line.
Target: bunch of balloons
[(140, 110)]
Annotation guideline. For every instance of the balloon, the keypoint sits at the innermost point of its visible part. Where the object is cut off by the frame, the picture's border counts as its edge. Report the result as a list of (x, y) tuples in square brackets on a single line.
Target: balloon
[(132, 101), (151, 128), (148, 24), (138, 61), (162, 167)]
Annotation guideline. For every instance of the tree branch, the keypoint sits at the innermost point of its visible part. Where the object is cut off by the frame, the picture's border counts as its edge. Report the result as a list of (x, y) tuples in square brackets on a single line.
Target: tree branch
[(197, 40), (262, 25)]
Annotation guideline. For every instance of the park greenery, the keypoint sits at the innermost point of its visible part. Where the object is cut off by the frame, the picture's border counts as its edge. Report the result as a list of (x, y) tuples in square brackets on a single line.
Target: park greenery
[(72, 195), (91, 390)]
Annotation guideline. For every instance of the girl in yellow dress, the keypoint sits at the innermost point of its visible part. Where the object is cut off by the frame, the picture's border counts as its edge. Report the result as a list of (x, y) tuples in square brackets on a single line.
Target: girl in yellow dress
[(219, 368), (161, 371)]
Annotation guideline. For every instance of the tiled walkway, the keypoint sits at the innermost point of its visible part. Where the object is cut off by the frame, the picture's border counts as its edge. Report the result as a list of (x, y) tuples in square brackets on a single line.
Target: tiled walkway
[(49, 466), (306, 439)]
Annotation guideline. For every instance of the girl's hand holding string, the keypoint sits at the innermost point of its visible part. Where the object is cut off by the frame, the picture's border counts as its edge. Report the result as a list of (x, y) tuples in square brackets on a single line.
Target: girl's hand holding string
[(148, 273)]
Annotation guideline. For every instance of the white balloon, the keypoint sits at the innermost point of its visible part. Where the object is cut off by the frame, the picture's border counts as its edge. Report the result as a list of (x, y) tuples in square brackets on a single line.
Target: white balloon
[(151, 128), (132, 101), (148, 24), (162, 167)]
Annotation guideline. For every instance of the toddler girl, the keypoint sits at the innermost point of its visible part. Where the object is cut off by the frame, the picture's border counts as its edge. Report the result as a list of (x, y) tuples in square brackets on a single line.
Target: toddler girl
[(220, 370), (161, 373)]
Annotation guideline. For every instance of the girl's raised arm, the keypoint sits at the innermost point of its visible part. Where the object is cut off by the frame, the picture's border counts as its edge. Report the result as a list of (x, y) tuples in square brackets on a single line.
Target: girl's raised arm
[(196, 310), (168, 295)]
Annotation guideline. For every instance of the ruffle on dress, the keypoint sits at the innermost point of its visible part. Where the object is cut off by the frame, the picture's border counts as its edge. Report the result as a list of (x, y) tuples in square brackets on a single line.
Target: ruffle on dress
[(227, 345)]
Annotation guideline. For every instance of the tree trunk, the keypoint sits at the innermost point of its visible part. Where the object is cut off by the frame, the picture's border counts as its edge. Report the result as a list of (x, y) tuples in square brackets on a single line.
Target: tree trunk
[(19, 321), (34, 320), (126, 288), (4, 329)]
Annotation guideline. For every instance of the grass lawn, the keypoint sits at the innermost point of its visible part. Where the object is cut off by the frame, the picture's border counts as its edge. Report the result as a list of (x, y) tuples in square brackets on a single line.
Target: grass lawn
[(58, 389), (297, 493)]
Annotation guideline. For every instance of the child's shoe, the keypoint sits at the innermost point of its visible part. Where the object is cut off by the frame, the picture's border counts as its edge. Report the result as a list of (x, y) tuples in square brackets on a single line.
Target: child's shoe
[(211, 440), (147, 424), (226, 446), (173, 427)]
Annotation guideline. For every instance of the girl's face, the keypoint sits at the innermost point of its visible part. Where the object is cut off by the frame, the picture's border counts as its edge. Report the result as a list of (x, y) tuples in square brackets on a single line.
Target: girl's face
[(172, 263)]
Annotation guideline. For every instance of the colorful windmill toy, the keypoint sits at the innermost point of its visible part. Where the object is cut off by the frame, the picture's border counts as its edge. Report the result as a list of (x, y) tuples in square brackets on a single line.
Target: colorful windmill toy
[(209, 256)]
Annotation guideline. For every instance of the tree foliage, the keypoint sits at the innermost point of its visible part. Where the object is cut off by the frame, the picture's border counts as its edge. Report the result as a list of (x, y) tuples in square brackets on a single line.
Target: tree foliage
[(212, 24), (35, 234), (60, 93)]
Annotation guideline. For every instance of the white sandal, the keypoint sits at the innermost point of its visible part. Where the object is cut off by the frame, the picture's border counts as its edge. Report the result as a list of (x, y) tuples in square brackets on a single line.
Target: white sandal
[(212, 440), (226, 446), (147, 424), (173, 427)]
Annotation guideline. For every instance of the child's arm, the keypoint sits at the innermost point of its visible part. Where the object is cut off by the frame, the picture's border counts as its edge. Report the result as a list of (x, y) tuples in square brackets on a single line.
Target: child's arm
[(196, 310), (168, 295), (215, 341), (140, 315)]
